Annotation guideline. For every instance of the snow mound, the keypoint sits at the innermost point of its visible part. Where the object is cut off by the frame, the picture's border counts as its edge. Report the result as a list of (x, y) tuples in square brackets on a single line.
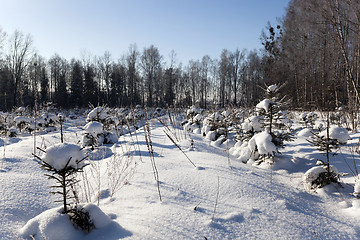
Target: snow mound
[(263, 142), (94, 128), (305, 133), (98, 217), (264, 104), (58, 155), (313, 173), (340, 134), (53, 224)]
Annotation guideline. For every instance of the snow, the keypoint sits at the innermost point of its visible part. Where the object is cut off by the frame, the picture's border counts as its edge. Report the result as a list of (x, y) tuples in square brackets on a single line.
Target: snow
[(264, 104), (253, 123), (305, 133), (263, 143), (20, 119), (94, 128), (357, 189), (58, 156), (51, 224), (253, 203), (98, 113), (272, 88), (340, 134)]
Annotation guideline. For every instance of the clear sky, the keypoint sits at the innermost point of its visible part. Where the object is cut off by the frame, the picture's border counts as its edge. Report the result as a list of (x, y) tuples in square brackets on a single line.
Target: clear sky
[(192, 28)]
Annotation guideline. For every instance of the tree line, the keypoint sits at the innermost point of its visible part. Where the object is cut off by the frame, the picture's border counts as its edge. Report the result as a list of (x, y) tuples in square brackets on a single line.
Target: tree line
[(313, 52)]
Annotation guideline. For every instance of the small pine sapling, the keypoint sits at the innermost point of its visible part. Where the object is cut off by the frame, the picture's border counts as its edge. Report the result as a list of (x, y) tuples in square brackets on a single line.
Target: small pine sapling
[(276, 129), (64, 161), (326, 141)]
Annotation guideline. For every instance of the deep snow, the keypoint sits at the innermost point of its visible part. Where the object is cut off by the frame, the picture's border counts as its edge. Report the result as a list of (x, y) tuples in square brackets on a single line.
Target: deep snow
[(253, 202)]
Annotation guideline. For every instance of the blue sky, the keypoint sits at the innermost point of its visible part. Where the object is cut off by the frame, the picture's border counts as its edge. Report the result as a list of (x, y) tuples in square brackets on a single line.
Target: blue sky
[(192, 28)]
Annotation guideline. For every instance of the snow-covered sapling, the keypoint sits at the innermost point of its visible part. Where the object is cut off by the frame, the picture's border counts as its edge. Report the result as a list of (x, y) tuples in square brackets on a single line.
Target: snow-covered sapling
[(326, 141), (266, 131), (63, 161), (95, 135)]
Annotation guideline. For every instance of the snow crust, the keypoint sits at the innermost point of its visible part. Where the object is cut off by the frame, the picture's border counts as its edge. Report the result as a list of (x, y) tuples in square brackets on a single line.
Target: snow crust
[(59, 154)]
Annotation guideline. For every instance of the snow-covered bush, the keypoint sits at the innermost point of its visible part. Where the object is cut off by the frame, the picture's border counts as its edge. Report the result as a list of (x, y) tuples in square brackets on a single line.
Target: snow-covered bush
[(48, 121), (319, 176), (22, 122), (104, 115), (63, 160), (265, 132), (326, 141), (308, 119), (356, 192), (95, 135), (250, 126)]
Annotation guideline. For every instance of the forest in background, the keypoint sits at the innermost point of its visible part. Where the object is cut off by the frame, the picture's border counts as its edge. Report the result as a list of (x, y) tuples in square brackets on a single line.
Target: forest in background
[(313, 53)]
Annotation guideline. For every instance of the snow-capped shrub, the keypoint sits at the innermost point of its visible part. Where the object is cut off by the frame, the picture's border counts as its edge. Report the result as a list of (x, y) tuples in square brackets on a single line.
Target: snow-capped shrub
[(64, 155), (205, 129), (95, 135), (263, 145), (98, 114), (64, 160), (13, 132), (356, 192), (308, 118), (190, 127), (326, 141), (22, 122), (249, 128), (110, 138), (267, 131), (211, 135), (48, 121), (193, 111), (319, 176), (337, 133)]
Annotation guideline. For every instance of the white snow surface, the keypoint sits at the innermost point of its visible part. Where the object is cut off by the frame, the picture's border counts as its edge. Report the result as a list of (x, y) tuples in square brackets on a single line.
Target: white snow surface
[(59, 155), (253, 203)]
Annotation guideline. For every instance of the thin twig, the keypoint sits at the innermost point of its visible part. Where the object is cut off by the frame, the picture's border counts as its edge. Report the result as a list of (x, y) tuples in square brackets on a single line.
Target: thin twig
[(217, 198)]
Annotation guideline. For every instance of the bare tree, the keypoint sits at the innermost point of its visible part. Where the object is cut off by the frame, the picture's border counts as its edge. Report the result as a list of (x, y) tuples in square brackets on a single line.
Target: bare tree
[(151, 64), (18, 59)]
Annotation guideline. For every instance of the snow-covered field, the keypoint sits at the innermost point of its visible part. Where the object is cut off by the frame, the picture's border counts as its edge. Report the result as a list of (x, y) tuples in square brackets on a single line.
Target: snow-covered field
[(220, 198)]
